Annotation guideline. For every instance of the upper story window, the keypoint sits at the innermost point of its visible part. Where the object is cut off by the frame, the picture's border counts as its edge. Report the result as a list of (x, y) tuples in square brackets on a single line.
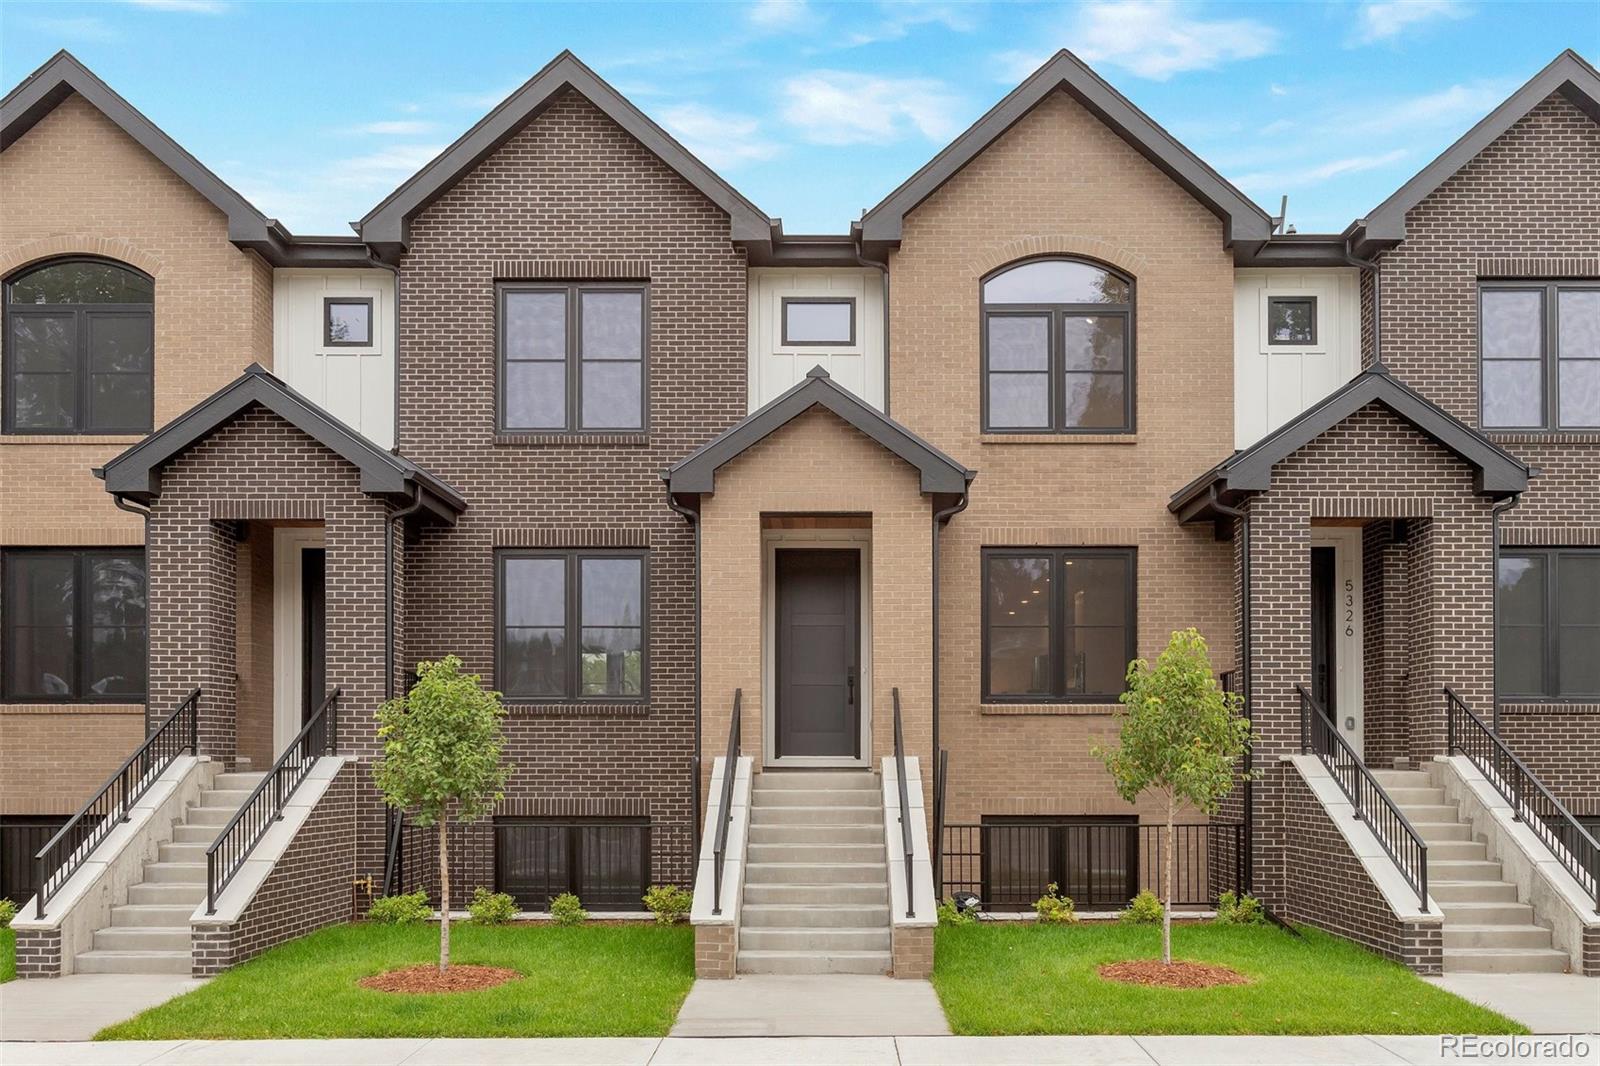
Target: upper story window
[(1057, 349), (74, 625), (79, 349), (1291, 320), (347, 321), (1540, 346), (572, 358), (1549, 606), (819, 320), (572, 626)]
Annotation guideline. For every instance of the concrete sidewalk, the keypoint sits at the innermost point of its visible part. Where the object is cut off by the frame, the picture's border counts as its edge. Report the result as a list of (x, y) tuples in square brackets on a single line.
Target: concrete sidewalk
[(1544, 1002), (814, 1051), (77, 1007), (811, 1005)]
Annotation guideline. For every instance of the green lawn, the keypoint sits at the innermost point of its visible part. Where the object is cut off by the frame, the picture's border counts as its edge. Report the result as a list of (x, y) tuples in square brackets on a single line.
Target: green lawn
[(8, 954), (592, 980), (1019, 977)]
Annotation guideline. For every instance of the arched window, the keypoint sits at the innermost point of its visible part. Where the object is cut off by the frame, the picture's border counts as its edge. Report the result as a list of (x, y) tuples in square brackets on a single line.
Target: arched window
[(1057, 349), (79, 348)]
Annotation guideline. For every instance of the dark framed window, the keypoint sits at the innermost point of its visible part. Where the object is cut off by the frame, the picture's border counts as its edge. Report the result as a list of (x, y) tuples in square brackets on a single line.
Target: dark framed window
[(347, 321), (1291, 320), (572, 357), (819, 321), (605, 862), (1057, 343), (1549, 639), (1058, 624), (1094, 859), (573, 626), (79, 349), (1539, 344), (73, 625)]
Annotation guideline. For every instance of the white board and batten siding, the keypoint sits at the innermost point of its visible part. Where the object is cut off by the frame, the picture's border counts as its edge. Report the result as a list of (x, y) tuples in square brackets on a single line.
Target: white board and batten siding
[(1275, 382), (355, 384), (776, 366)]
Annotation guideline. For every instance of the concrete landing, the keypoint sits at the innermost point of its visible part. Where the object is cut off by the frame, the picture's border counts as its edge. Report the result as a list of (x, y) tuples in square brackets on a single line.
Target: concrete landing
[(1544, 1002), (811, 1005), (79, 1006)]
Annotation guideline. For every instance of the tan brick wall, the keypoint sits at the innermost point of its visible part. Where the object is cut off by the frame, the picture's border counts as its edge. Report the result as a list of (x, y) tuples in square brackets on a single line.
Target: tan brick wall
[(714, 952), (254, 645), (54, 759), (1059, 182)]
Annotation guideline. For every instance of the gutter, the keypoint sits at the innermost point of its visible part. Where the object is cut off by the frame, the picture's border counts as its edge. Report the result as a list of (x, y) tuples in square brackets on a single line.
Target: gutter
[(389, 652), (940, 519), (1246, 639), (693, 518)]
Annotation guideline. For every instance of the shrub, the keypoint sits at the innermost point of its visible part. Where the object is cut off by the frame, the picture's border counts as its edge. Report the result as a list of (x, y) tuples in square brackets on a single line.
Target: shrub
[(567, 909), (950, 914), (491, 908), (8, 911), (1053, 908), (412, 909), (1143, 909), (1239, 910), (669, 903)]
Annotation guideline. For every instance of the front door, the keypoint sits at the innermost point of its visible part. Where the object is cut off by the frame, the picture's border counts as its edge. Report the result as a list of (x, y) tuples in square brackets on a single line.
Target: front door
[(313, 630), (1336, 629), (818, 653)]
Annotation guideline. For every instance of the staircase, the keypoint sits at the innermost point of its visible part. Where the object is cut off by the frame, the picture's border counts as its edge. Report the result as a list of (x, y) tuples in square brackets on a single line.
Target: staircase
[(816, 880), (150, 933), (1486, 930)]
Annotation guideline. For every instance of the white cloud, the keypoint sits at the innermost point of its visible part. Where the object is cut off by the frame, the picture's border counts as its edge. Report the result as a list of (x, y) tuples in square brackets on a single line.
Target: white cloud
[(901, 18), (187, 7), (779, 14), (1446, 108), (1016, 65), (1303, 176), (1277, 90), (380, 170), (721, 139), (1382, 20), (396, 127), (1159, 38), (79, 28), (838, 107)]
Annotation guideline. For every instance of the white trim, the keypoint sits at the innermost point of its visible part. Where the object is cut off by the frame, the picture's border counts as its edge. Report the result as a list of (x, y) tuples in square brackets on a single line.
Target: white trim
[(771, 540), (287, 543), (1349, 621)]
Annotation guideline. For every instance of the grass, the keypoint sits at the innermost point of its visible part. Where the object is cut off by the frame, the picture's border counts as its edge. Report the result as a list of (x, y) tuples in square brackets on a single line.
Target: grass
[(1019, 978), (593, 980), (8, 954)]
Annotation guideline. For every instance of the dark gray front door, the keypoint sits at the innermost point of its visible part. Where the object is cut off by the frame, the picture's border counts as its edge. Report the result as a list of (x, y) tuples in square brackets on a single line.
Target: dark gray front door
[(313, 630), (1324, 629), (818, 653)]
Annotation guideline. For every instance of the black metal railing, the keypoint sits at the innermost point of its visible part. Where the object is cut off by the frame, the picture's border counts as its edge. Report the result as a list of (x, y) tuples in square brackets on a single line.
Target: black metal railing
[(66, 852), (1531, 803), (255, 816), (730, 770), (941, 774), (394, 852), (1099, 864), (905, 811), (1396, 835)]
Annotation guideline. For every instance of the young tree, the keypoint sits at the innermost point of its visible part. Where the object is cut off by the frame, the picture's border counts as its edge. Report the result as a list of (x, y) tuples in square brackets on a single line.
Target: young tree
[(442, 750), (1182, 738)]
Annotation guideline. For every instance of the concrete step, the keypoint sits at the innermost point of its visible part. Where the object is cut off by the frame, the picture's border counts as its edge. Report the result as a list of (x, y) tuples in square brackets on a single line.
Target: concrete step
[(194, 834), (1415, 796), (774, 780), (817, 797), (1469, 913), (146, 915), (1462, 869), (1495, 936), (816, 834), (815, 873), (184, 851), (216, 817), (168, 892), (792, 962), (1430, 812), (134, 962), (1505, 960), (142, 938), (841, 815), (815, 853), (826, 941), (810, 895), (175, 872), (230, 798), (1402, 778), (812, 916), (1457, 850), (1448, 891), (1432, 831), (234, 782)]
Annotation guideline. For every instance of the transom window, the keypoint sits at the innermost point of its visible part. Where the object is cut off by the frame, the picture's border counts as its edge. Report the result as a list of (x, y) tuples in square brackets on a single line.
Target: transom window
[(1057, 349), (74, 625), (1549, 606), (79, 349), (1540, 344), (1058, 624), (572, 626), (572, 358)]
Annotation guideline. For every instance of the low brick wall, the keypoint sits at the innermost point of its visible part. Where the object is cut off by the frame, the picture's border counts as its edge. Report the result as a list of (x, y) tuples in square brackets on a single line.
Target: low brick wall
[(38, 953), (715, 951), (912, 950)]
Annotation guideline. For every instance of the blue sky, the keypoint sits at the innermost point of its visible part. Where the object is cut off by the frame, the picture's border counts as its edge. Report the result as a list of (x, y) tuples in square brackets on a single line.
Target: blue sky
[(813, 110)]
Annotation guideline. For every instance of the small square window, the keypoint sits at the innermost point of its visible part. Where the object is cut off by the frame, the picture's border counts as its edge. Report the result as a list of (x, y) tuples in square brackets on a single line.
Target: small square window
[(1291, 320), (347, 322), (819, 320)]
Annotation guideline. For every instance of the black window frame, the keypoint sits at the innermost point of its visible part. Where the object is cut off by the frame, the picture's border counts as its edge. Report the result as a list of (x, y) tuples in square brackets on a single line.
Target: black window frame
[(573, 362), (783, 321), (574, 848), (1549, 355), (81, 313), (82, 560), (1553, 589), (1285, 298), (1056, 829), (1058, 664), (328, 303), (1057, 314), (572, 624)]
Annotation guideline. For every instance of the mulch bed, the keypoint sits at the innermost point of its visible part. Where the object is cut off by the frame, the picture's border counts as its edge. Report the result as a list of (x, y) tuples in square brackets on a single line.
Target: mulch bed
[(1156, 974), (428, 979)]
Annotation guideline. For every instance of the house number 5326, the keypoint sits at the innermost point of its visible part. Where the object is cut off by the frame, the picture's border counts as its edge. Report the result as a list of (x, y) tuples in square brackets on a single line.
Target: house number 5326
[(1349, 607)]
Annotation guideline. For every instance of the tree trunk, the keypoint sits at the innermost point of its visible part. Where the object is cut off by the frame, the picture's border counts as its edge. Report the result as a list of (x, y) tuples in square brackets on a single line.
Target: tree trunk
[(444, 894), (1166, 894)]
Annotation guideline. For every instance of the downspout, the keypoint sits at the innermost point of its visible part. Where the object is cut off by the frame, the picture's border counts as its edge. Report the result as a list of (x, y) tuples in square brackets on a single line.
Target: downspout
[(389, 650), (1246, 628), (144, 513), (940, 519), (1500, 507), (693, 518)]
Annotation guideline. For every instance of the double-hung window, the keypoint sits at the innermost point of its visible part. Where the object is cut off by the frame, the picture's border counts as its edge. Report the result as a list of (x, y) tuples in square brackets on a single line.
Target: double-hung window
[(1540, 349), (572, 358), (1549, 606), (74, 625), (572, 626), (1058, 624)]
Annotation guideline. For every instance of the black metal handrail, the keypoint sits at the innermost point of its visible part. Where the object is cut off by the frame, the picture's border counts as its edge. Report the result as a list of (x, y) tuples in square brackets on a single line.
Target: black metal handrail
[(905, 803), (730, 770), (1396, 835), (65, 853), (226, 855), (1531, 803)]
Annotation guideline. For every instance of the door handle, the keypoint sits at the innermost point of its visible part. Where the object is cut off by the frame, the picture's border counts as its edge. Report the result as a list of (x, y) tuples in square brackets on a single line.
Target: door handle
[(850, 687)]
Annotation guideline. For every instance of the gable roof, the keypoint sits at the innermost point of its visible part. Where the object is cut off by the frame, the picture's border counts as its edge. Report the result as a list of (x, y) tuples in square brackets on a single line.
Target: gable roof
[(386, 226), (1242, 219), (696, 472), (1496, 472), (136, 473), (1568, 74)]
